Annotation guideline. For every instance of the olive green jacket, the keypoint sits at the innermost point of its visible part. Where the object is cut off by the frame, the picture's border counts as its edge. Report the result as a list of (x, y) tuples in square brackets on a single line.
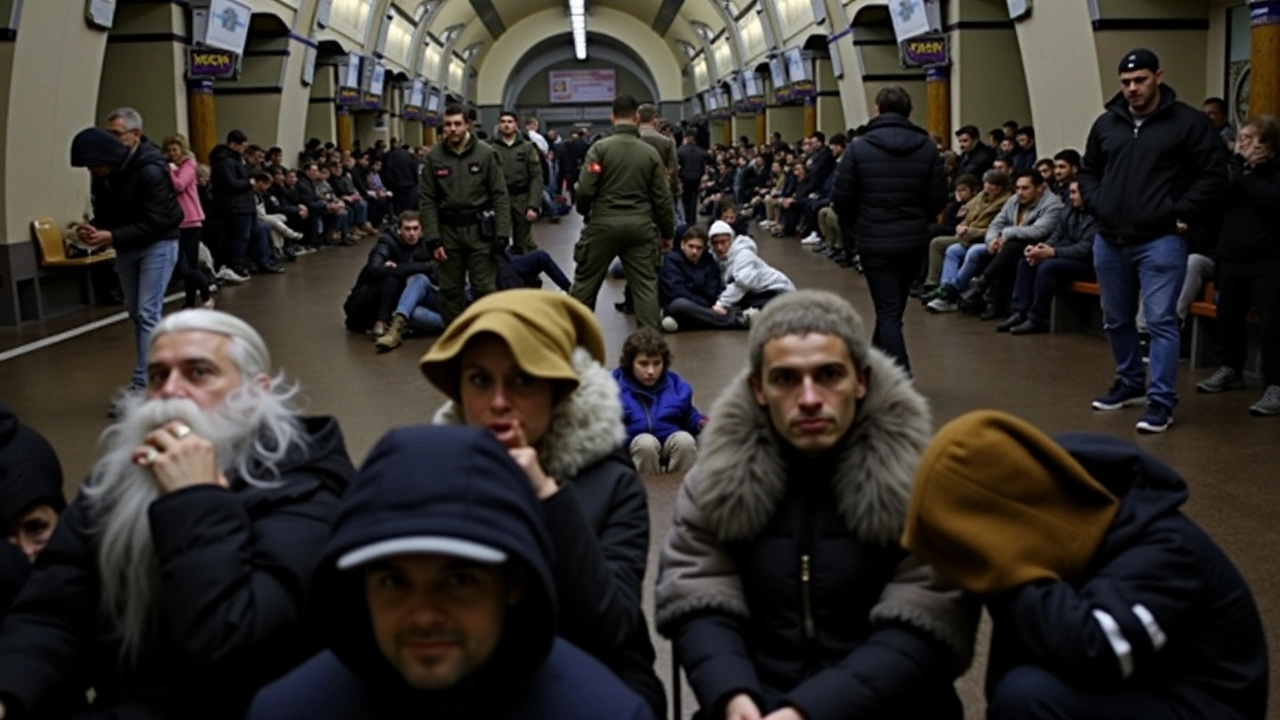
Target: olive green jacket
[(666, 148), (623, 176), (522, 167), (462, 181)]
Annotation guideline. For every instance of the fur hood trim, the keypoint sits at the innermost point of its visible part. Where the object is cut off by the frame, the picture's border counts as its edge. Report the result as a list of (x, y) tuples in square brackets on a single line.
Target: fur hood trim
[(585, 428), (741, 477)]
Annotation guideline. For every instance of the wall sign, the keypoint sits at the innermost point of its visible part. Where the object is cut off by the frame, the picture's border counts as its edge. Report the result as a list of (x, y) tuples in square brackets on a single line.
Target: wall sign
[(227, 27), (211, 64), (926, 51), (1019, 9), (583, 86), (100, 13)]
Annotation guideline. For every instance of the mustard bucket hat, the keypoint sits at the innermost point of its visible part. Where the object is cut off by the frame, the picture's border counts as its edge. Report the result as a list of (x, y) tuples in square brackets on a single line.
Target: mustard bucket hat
[(541, 328)]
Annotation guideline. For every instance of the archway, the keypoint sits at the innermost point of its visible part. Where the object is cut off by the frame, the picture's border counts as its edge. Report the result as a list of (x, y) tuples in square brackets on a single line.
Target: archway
[(555, 51)]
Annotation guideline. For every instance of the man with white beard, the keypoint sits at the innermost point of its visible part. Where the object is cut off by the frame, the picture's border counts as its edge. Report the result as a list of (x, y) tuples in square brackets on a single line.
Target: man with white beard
[(174, 583)]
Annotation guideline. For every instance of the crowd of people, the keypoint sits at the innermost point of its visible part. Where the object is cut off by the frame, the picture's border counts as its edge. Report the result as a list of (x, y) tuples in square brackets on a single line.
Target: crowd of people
[(829, 554)]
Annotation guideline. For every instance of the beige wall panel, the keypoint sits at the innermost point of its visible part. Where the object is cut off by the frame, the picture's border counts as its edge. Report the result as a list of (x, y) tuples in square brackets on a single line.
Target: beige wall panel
[(786, 120), (258, 71), (988, 85), (916, 88), (975, 10), (1058, 36), (744, 125), (295, 101), (1181, 53), (365, 131), (1150, 8), (255, 115), (52, 94), (321, 123), (831, 116), (148, 78)]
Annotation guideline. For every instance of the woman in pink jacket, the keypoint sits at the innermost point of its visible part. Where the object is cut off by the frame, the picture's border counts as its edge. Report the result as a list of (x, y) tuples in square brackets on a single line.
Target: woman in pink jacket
[(182, 170)]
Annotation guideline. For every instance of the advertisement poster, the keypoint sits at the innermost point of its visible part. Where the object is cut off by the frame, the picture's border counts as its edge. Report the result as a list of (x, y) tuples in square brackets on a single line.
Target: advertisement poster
[(583, 86), (910, 18), (350, 73), (228, 27)]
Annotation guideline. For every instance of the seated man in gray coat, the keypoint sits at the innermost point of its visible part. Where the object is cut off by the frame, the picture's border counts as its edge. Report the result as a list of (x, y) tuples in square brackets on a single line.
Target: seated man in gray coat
[(1050, 267), (782, 582)]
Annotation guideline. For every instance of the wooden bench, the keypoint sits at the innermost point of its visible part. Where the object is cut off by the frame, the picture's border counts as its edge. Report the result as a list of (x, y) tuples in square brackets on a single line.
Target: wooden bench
[(53, 255)]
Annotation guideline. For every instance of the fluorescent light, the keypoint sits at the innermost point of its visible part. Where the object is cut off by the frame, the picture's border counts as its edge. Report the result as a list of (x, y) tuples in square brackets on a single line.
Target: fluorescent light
[(578, 23)]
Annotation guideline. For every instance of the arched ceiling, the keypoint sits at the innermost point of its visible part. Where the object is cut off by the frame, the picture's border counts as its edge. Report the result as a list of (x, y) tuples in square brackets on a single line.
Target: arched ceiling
[(486, 21)]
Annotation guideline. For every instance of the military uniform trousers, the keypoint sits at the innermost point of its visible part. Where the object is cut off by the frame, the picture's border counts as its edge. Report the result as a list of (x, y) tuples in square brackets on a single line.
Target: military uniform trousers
[(521, 228), (632, 239), (469, 256)]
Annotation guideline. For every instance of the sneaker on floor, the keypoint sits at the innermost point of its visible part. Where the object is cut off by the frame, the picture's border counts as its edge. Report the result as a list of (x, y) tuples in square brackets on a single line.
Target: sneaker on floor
[(1224, 378), (1120, 396), (748, 315), (208, 304), (669, 324), (941, 305), (813, 239), (227, 275), (1157, 419), (1269, 404)]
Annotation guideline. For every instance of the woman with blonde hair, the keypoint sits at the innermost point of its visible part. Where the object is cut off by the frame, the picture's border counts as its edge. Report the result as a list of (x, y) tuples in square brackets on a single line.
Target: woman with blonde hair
[(182, 171), (529, 366)]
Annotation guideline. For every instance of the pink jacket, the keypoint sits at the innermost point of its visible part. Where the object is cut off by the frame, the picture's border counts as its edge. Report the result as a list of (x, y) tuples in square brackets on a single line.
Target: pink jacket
[(184, 186)]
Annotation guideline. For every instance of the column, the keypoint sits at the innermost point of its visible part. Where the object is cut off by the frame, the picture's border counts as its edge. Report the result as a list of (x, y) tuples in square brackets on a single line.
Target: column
[(938, 84), (428, 135), (203, 118), (344, 128), (810, 116), (762, 133), (1264, 81)]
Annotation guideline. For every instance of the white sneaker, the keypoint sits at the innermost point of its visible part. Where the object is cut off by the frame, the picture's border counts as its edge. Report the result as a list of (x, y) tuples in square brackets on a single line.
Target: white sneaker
[(749, 314), (669, 324), (208, 304), (227, 275), (813, 239), (938, 305)]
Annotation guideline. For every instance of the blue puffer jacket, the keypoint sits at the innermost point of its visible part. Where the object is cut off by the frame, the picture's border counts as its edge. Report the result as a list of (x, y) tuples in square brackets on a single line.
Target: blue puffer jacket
[(662, 410)]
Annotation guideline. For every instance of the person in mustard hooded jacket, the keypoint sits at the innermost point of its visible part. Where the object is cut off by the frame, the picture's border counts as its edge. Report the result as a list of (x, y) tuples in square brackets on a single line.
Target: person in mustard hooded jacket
[(1107, 602)]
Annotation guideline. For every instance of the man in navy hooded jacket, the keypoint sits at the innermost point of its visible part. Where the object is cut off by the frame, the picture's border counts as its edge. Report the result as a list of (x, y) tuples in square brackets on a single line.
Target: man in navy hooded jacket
[(437, 600), (1107, 602)]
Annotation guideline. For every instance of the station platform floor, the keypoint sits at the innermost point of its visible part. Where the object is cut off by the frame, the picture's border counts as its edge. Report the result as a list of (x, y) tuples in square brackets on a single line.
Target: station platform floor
[(1228, 458)]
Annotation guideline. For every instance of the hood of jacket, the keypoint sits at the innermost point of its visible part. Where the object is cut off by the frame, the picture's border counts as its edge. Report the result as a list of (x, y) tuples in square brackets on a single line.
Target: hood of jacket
[(586, 426), (95, 147), (742, 475), (895, 134), (1148, 489), (741, 244), (472, 491), (324, 454), (29, 470)]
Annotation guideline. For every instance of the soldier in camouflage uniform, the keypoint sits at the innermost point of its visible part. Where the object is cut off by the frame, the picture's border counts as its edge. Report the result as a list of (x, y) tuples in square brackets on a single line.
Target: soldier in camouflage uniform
[(461, 180), (522, 166), (624, 193)]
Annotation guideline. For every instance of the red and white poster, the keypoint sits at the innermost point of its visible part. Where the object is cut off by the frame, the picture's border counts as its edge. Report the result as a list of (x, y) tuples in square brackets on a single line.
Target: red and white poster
[(583, 86)]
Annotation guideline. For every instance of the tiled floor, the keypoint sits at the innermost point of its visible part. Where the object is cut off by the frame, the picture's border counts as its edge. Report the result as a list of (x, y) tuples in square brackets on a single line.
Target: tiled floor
[(1229, 458)]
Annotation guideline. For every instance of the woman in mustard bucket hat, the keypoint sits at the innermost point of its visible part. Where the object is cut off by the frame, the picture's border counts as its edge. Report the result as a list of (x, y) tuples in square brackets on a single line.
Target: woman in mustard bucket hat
[(529, 365)]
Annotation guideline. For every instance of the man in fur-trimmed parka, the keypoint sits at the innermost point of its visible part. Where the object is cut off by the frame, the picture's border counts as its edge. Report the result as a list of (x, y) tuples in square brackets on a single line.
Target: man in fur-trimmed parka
[(782, 582)]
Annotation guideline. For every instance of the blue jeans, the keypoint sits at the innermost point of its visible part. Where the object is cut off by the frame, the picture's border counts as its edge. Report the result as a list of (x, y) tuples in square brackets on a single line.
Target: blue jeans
[(962, 264), (144, 275), (260, 244), (1156, 270), (359, 212), (418, 304)]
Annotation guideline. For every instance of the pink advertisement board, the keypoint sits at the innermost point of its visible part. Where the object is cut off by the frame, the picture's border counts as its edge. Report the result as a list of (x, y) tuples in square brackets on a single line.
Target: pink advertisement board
[(583, 86)]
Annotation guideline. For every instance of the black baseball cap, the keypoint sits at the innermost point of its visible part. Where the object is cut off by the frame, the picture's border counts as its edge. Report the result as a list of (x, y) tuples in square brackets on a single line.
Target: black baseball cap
[(1139, 59)]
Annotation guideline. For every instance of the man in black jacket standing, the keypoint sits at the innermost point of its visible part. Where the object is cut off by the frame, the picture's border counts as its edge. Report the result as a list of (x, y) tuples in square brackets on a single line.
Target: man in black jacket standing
[(400, 175), (233, 198), (889, 187), (1153, 168), (136, 212), (174, 585)]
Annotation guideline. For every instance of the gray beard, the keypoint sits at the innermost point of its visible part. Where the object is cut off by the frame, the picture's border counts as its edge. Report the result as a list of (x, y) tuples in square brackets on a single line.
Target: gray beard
[(120, 492)]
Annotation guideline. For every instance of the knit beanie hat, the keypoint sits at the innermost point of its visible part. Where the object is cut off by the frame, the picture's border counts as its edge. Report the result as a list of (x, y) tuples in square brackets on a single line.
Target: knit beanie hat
[(541, 328), (998, 504), (96, 147)]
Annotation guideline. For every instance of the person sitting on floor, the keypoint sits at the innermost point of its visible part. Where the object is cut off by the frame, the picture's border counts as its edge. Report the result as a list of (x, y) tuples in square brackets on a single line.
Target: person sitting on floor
[(657, 406), (30, 501), (689, 285), (1107, 602), (749, 281), (394, 290), (437, 599)]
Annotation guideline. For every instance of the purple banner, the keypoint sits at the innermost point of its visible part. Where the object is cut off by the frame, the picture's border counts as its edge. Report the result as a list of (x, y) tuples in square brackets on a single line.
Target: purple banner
[(371, 101), (926, 51), (411, 113), (348, 97), (209, 63), (1264, 12), (803, 89)]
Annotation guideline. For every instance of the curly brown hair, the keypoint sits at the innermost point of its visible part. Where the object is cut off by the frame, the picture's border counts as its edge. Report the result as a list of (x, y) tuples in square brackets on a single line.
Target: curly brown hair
[(645, 341)]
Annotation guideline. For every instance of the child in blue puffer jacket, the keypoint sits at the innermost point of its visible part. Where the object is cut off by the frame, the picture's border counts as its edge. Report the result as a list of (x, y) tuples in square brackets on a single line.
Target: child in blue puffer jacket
[(657, 406)]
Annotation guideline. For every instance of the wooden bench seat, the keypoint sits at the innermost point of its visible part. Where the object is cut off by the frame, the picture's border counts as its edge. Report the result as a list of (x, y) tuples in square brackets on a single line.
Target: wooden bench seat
[(53, 256)]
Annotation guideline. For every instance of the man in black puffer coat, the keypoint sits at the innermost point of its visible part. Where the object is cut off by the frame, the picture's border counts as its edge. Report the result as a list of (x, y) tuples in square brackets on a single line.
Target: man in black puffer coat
[(394, 284), (889, 186)]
